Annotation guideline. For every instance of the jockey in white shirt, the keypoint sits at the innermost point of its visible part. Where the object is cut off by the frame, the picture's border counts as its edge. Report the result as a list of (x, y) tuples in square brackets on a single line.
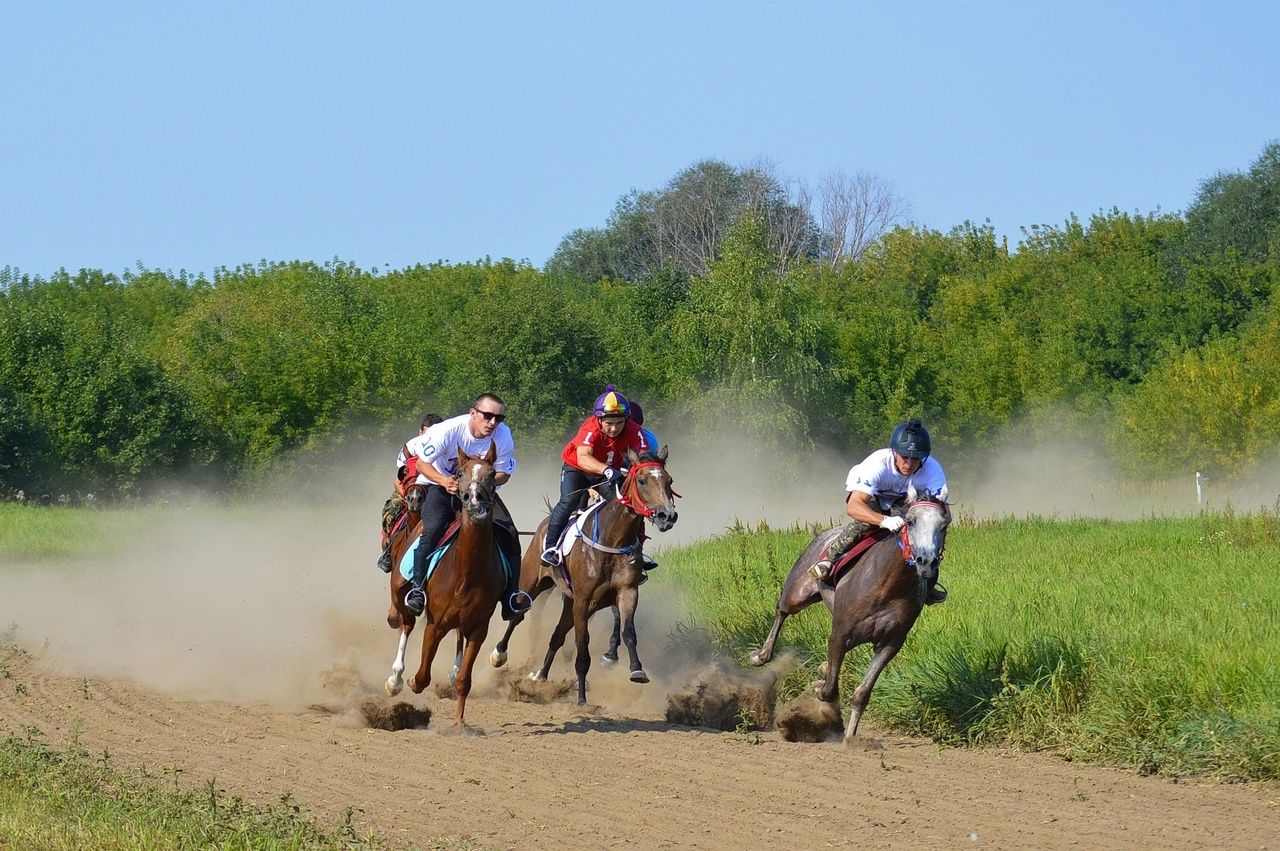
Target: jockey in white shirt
[(879, 484)]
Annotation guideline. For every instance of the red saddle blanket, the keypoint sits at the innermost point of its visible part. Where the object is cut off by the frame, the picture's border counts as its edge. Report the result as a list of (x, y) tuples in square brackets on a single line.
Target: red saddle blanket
[(851, 555)]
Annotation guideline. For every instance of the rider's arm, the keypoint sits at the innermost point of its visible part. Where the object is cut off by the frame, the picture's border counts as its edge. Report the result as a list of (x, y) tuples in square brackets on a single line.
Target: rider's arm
[(427, 469), (589, 463), (860, 506), (501, 478)]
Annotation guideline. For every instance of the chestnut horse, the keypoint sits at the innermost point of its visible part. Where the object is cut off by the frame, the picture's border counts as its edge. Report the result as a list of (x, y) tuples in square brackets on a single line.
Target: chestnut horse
[(876, 601), (602, 569), (462, 591)]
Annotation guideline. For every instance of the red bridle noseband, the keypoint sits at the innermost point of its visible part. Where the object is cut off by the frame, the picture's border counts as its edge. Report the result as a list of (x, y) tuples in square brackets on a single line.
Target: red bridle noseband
[(631, 492)]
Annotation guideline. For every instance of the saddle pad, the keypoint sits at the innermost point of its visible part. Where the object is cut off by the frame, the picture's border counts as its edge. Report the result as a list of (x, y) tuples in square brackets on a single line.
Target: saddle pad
[(575, 529), (406, 560), (851, 555)]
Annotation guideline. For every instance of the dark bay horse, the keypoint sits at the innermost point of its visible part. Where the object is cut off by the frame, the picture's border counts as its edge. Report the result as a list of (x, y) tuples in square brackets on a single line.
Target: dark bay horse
[(876, 601), (463, 590), (602, 569)]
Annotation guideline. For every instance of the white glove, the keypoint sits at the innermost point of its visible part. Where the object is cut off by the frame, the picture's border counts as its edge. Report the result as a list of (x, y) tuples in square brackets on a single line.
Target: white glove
[(891, 523)]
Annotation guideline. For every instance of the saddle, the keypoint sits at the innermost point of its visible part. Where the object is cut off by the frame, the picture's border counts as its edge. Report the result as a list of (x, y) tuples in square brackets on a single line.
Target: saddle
[(851, 555)]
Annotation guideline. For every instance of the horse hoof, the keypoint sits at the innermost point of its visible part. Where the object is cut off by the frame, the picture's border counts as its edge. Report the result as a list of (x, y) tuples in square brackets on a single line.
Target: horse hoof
[(822, 669), (639, 676), (497, 658), (537, 676), (393, 685), (757, 659), (608, 660)]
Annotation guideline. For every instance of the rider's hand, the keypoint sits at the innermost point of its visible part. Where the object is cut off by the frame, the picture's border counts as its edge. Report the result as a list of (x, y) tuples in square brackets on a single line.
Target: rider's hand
[(611, 475), (891, 523), (451, 484)]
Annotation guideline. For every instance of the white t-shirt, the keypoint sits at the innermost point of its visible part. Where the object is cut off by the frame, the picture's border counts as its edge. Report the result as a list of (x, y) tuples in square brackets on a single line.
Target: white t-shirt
[(877, 477), (414, 445), (440, 445)]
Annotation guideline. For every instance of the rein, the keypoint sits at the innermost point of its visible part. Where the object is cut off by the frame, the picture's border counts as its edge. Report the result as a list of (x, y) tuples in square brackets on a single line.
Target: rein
[(628, 497)]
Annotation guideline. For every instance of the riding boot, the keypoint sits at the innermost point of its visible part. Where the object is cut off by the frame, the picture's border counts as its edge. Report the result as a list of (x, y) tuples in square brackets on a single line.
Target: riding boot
[(384, 560), (416, 600), (849, 535), (936, 593)]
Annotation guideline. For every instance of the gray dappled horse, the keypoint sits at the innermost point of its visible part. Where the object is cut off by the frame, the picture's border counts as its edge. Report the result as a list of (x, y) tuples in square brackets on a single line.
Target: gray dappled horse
[(876, 601)]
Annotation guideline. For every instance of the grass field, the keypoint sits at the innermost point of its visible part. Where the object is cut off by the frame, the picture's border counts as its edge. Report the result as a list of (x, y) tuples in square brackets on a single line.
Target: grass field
[(1150, 645)]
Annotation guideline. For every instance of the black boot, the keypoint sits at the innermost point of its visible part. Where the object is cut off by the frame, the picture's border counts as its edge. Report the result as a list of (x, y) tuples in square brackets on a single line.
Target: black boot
[(384, 561), (416, 600)]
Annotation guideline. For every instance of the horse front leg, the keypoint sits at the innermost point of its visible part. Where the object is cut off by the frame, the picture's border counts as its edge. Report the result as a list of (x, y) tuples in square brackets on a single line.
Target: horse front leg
[(457, 662), (610, 656), (557, 640), (395, 682), (765, 653), (462, 685), (828, 688), (884, 654), (582, 664), (628, 598), (431, 636)]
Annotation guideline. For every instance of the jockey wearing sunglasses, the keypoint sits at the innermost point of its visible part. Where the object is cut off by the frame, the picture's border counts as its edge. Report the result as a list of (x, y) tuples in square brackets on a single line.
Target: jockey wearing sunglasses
[(471, 432), (593, 457)]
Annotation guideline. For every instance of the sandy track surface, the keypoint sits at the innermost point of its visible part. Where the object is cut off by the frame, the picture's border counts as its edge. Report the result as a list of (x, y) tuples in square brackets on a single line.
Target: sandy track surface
[(547, 776)]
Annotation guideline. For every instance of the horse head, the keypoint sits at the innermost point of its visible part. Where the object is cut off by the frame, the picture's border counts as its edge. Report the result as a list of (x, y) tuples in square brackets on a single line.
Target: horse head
[(477, 487), (925, 532), (647, 490)]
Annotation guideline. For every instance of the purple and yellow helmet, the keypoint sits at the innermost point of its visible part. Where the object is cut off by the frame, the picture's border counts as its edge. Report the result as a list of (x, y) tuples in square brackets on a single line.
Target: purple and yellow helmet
[(611, 403)]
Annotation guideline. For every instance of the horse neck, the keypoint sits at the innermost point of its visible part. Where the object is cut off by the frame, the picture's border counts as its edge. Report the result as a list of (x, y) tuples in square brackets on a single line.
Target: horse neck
[(617, 524)]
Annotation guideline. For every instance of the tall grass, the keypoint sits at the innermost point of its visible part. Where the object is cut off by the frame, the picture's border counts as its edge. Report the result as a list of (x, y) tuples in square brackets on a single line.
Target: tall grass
[(1149, 644)]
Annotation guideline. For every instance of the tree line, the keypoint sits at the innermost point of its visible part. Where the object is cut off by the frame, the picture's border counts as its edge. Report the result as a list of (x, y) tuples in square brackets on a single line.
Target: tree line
[(727, 296)]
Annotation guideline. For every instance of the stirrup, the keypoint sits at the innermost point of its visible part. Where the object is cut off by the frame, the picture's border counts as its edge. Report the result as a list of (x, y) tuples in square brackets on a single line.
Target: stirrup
[(519, 602), (551, 557), (415, 601), (937, 594), (384, 561), (821, 570)]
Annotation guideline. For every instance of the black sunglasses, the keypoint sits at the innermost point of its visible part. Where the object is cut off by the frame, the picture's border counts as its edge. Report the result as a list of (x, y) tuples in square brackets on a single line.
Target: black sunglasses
[(490, 416)]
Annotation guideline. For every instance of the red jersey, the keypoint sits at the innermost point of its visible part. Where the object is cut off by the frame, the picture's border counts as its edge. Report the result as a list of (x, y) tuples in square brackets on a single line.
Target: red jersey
[(612, 452)]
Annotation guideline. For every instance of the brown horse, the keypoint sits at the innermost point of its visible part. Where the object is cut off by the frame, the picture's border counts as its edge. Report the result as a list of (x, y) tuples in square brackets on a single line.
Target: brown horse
[(876, 601), (464, 588), (602, 569)]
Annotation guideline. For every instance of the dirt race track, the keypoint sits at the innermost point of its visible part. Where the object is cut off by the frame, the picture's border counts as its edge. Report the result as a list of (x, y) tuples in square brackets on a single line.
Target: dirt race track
[(552, 776)]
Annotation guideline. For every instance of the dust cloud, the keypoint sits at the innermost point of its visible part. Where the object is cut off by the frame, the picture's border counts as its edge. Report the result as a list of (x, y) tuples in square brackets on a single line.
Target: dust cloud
[(277, 599)]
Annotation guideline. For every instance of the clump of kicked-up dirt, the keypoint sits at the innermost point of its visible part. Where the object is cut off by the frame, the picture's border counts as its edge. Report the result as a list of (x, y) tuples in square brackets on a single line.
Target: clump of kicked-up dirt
[(397, 716), (807, 719), (724, 697), (521, 689)]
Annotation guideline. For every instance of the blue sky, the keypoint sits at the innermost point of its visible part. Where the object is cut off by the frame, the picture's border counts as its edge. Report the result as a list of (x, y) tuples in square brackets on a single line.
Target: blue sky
[(202, 135)]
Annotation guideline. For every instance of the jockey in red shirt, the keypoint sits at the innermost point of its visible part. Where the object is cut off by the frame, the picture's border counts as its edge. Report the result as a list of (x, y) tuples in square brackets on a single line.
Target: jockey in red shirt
[(595, 456)]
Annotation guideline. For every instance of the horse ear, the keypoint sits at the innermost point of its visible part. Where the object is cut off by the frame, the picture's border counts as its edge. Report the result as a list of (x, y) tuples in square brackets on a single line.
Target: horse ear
[(942, 495), (462, 457), (492, 454), (911, 492), (661, 454), (632, 457)]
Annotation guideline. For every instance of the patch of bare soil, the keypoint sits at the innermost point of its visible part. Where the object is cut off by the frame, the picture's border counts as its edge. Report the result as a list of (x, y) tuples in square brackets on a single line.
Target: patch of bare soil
[(552, 776)]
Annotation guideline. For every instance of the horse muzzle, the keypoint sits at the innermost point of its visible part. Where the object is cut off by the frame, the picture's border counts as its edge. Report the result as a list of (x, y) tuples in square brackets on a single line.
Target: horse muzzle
[(926, 565), (665, 519)]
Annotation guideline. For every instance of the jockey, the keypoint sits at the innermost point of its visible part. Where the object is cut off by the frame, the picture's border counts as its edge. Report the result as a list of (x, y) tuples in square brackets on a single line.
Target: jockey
[(878, 485), (406, 473), (471, 432), (593, 457)]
